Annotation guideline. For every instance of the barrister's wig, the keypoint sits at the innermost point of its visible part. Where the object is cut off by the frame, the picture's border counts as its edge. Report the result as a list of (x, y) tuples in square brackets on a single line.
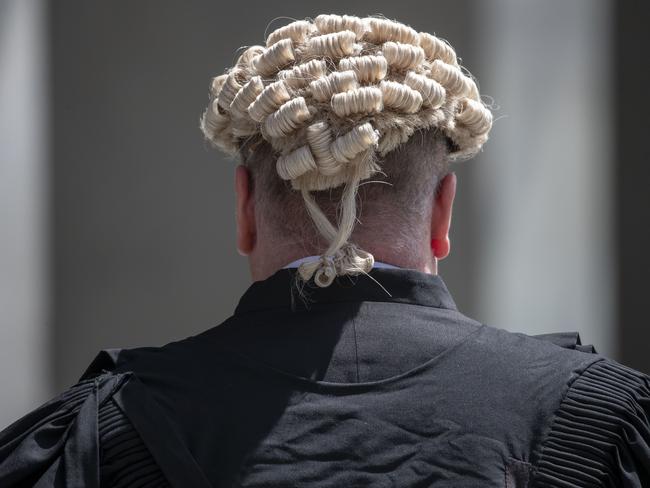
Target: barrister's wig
[(330, 96)]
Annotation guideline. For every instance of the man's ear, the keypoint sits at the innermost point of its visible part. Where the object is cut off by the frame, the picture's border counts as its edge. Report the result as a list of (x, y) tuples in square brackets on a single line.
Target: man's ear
[(245, 211), (441, 216)]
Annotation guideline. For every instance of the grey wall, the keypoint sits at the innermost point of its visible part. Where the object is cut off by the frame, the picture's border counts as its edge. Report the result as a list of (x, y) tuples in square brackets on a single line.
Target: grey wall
[(143, 221), (631, 75)]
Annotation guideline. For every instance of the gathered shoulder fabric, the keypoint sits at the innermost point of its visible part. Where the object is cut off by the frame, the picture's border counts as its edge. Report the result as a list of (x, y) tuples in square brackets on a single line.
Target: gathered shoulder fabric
[(600, 434), (57, 444), (83, 437)]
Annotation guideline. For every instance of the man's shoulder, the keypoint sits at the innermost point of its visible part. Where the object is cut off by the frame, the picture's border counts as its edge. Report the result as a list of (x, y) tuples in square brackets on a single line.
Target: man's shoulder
[(523, 355), (516, 351), (185, 355), (507, 366), (561, 342), (572, 406)]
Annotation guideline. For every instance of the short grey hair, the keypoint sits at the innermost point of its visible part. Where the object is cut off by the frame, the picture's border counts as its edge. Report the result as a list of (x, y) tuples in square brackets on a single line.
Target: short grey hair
[(394, 205)]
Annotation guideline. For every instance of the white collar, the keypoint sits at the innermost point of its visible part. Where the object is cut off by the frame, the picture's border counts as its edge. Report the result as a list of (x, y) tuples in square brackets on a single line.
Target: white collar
[(298, 262)]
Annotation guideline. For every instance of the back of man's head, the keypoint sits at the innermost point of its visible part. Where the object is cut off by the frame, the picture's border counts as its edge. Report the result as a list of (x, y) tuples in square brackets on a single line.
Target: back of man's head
[(356, 117), (394, 206)]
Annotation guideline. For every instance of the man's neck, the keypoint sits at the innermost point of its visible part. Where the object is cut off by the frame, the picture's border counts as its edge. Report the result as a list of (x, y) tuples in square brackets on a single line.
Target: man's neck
[(270, 255)]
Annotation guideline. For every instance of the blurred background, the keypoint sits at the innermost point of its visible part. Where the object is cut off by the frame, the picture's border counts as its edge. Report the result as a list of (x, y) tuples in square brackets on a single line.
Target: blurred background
[(117, 219)]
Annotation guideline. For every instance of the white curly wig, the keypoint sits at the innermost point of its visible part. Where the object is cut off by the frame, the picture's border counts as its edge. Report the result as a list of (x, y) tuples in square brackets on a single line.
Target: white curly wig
[(332, 94)]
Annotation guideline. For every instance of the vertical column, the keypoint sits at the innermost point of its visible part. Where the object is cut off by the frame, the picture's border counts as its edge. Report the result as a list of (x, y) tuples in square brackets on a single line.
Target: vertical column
[(545, 183), (633, 174), (23, 208)]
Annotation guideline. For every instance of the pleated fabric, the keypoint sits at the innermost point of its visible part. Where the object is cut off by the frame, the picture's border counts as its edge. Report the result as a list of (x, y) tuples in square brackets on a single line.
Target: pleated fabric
[(600, 435), (57, 444), (125, 460), (80, 438)]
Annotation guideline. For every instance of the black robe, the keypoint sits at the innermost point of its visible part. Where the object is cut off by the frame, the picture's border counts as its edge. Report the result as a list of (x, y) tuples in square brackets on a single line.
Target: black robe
[(366, 383)]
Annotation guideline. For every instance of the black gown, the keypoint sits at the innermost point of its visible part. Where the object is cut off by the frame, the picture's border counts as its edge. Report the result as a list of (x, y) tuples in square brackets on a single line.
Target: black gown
[(342, 387)]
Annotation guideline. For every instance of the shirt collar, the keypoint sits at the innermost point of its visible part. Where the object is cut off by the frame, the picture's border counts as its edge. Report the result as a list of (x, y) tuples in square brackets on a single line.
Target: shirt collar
[(382, 284), (298, 262)]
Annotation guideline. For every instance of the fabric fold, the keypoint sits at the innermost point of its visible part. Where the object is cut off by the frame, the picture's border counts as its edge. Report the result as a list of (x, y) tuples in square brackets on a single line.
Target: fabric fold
[(568, 340), (125, 460), (600, 434), (56, 444), (160, 436)]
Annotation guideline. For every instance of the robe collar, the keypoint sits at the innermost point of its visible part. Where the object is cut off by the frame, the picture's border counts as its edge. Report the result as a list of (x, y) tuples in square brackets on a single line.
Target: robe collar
[(283, 289)]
